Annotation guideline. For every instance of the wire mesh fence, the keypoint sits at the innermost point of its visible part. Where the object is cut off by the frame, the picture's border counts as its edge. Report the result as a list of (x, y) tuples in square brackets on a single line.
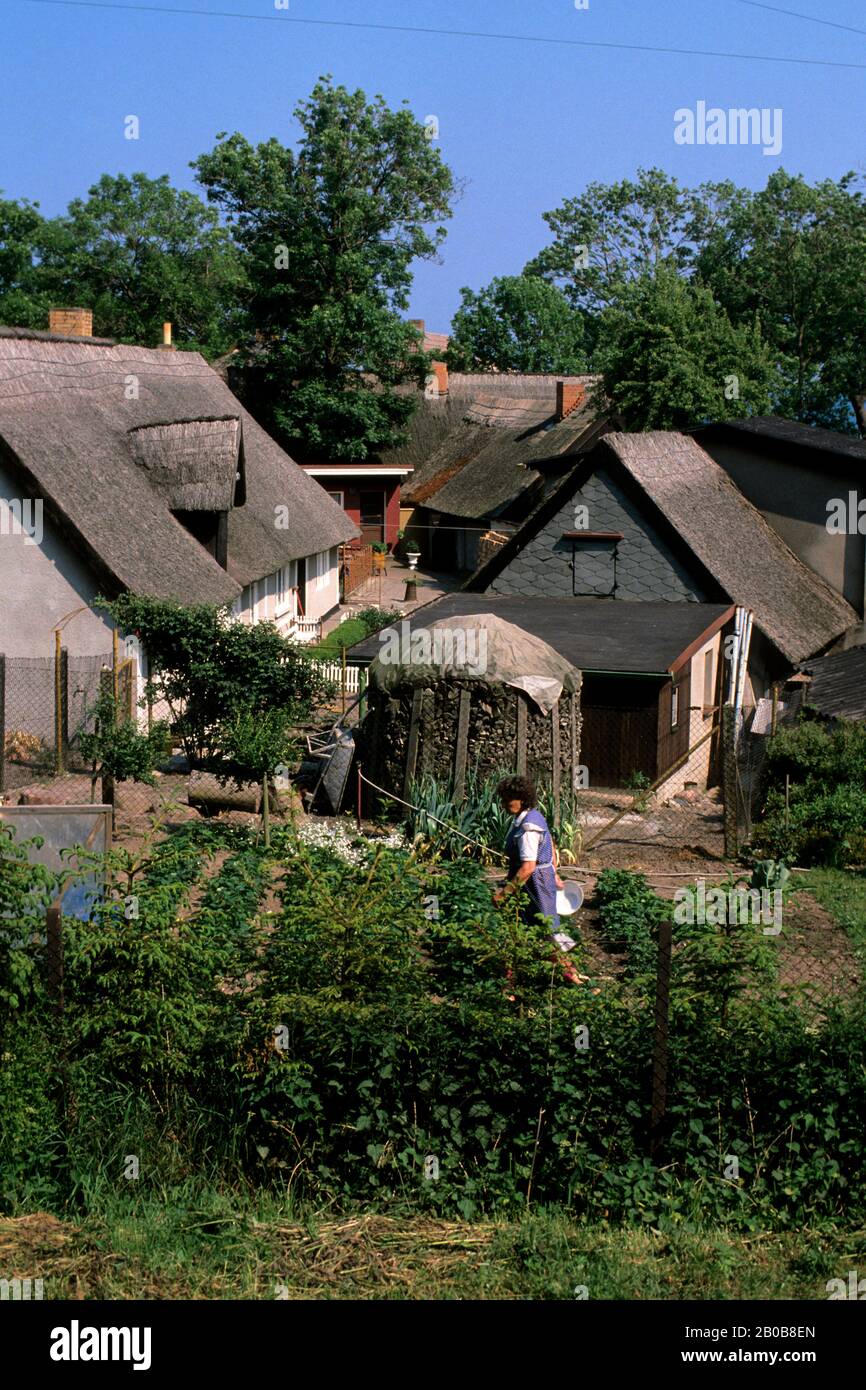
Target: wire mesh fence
[(46, 703), (671, 807)]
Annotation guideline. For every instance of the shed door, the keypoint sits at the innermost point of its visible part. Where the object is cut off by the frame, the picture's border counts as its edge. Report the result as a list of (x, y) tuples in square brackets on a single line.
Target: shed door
[(619, 734)]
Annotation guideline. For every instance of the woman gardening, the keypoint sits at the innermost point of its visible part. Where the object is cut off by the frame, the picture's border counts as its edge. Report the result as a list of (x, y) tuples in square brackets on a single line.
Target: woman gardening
[(531, 861)]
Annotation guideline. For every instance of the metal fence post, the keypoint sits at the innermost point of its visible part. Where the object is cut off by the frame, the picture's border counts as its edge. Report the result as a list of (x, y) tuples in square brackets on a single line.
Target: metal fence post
[(660, 1038), (61, 704)]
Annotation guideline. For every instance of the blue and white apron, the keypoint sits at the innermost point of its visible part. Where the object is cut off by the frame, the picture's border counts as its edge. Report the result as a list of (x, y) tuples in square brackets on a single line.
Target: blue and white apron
[(541, 885)]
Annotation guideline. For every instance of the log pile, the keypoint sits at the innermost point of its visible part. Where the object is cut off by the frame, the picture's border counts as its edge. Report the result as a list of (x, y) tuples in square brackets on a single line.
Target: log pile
[(504, 731)]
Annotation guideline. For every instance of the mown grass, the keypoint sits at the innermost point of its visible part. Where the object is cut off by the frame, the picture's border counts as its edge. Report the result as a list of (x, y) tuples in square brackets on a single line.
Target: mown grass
[(191, 1243)]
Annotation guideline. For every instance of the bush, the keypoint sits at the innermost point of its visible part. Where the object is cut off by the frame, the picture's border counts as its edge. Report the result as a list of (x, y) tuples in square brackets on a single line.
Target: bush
[(823, 827), (335, 1050), (629, 914), (825, 819)]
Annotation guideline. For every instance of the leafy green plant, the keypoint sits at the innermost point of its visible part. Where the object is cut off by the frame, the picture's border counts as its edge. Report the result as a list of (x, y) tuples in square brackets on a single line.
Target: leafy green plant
[(206, 667), (639, 783), (629, 915), (117, 748), (26, 890)]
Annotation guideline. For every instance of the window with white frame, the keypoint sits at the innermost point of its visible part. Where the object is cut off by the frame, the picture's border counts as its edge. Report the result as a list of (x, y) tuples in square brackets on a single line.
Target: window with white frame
[(287, 583), (321, 569), (257, 590)]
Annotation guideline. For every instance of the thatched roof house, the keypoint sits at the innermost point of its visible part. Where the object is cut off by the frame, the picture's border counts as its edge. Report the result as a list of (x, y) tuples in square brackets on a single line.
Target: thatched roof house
[(480, 452), (667, 522), (151, 477)]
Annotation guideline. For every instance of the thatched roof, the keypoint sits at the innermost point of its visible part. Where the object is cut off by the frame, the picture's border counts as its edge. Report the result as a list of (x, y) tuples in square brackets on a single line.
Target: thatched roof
[(705, 515), (113, 436), (838, 686), (474, 646), (792, 605), (479, 449), (194, 464)]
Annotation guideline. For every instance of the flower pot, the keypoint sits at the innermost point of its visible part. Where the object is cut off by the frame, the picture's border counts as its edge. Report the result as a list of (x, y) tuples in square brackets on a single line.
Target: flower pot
[(379, 558), (412, 558)]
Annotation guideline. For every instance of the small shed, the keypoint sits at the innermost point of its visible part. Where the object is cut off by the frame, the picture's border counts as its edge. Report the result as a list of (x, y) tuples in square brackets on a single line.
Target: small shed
[(470, 693)]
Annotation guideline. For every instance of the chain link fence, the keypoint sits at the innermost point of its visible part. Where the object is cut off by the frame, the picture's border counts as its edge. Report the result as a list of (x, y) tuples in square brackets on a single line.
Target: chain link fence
[(675, 805), (45, 705)]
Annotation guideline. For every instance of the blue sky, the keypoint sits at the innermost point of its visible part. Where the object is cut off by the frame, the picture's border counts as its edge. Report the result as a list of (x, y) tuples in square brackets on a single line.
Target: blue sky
[(524, 125)]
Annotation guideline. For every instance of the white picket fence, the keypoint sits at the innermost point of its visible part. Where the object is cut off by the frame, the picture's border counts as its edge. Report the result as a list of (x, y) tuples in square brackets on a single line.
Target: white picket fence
[(333, 671)]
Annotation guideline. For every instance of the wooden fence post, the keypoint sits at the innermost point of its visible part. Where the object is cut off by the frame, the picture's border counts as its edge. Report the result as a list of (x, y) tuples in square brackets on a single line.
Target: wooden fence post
[(106, 680), (556, 758), (520, 751), (462, 746), (61, 704)]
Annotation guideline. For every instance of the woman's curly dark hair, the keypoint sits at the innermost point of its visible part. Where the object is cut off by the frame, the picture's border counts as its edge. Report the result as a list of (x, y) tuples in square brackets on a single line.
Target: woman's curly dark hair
[(517, 789)]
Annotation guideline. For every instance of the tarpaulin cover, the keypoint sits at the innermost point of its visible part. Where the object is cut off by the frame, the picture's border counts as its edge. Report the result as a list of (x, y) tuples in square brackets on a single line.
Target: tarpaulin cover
[(476, 646)]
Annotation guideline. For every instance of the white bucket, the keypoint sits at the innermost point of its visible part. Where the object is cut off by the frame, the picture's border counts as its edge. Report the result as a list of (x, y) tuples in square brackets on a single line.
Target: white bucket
[(569, 899)]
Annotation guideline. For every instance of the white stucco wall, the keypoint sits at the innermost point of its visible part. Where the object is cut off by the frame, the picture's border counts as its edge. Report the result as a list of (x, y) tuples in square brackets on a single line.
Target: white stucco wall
[(40, 584), (275, 599)]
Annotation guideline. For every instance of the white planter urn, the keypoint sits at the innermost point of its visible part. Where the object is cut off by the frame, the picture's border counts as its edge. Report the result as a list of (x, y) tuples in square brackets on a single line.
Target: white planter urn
[(412, 558)]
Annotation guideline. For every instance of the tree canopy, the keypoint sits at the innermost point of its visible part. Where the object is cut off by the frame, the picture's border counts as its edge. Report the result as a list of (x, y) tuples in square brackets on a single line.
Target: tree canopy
[(518, 323), (328, 232), (671, 358), (136, 251)]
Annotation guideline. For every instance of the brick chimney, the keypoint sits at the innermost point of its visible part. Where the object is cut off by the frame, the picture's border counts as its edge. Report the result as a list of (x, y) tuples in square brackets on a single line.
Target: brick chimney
[(71, 323), (568, 397), (417, 323), (166, 345), (440, 371)]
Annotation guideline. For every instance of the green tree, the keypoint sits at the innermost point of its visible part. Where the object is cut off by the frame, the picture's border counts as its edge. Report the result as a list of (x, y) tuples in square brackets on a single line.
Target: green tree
[(671, 358), (138, 252), (613, 233), (254, 745), (208, 668), (795, 253), (518, 323), (23, 232), (116, 747), (329, 231)]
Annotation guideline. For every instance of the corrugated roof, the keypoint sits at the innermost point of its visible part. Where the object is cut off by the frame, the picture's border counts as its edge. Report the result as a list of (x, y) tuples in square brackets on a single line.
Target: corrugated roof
[(71, 411)]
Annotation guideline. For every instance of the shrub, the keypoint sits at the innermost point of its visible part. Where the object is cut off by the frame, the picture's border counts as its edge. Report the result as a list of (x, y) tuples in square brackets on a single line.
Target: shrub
[(629, 914)]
